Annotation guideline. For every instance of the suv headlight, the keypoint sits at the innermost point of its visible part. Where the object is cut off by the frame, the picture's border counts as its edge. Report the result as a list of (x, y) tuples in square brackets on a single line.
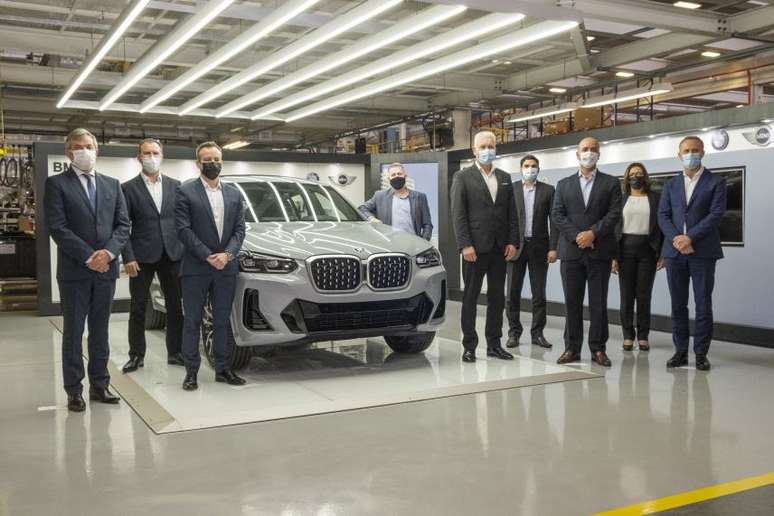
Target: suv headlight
[(429, 258), (261, 263)]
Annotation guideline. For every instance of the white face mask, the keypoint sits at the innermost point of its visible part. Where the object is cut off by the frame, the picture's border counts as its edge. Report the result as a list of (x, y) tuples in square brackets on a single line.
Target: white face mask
[(589, 159), (85, 159), (151, 164)]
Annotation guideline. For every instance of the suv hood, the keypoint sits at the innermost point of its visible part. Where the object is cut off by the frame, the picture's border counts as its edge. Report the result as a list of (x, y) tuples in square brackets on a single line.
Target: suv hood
[(300, 240)]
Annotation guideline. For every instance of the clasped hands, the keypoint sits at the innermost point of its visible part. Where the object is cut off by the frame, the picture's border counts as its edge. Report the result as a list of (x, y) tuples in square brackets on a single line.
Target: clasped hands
[(585, 239), (683, 244), (99, 261), (469, 253), (218, 260)]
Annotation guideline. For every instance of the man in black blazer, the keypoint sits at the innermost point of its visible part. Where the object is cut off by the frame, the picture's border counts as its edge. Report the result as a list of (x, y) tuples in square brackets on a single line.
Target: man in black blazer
[(399, 207), (587, 207), (537, 249), (85, 215), (153, 249), (210, 218), (486, 229)]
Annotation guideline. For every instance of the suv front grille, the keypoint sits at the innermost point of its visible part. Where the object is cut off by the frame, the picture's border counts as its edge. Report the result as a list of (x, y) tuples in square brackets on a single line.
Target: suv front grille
[(336, 274), (389, 272)]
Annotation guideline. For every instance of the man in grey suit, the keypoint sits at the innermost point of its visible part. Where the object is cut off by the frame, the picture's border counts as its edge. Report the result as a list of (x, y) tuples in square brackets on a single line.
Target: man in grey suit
[(399, 207), (85, 214), (153, 249), (210, 217), (537, 248)]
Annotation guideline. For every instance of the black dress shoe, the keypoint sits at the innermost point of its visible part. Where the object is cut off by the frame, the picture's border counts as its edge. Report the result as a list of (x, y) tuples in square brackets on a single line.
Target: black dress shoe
[(133, 364), (468, 356), (703, 363), (542, 342), (102, 395), (600, 357), (228, 376), (176, 359), (680, 358), (75, 403), (189, 384), (568, 357), (499, 352), (513, 342)]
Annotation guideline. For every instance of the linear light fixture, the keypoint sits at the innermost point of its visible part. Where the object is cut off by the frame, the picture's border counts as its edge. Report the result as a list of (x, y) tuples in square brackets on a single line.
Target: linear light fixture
[(266, 26), (687, 5), (625, 96), (330, 30), (159, 52), (466, 32), (710, 53), (122, 23), (236, 145), (624, 75), (556, 89), (491, 47), (540, 113), (402, 29)]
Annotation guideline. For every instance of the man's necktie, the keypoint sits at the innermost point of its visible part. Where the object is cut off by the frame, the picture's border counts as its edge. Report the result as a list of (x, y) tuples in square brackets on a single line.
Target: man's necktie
[(92, 191)]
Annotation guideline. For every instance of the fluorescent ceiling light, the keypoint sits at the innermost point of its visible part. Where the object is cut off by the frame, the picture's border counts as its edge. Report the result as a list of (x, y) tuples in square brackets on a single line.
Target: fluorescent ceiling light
[(624, 96), (490, 47), (236, 145), (255, 33), (710, 53), (624, 74), (590, 38), (330, 30), (540, 113), (466, 32), (396, 32), (557, 90), (159, 52), (124, 20), (687, 5)]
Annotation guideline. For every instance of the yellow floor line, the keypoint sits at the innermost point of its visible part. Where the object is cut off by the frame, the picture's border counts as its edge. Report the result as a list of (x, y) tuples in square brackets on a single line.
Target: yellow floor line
[(691, 497)]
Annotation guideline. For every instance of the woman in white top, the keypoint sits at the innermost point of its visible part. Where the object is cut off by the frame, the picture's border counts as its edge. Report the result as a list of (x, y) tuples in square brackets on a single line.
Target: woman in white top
[(639, 247)]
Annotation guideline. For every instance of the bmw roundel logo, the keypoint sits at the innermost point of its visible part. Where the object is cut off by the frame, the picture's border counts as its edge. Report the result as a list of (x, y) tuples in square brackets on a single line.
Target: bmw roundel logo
[(763, 135), (720, 139)]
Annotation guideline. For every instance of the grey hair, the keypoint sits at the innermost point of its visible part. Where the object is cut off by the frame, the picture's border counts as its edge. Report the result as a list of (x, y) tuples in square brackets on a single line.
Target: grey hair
[(79, 133), (396, 165), (482, 135)]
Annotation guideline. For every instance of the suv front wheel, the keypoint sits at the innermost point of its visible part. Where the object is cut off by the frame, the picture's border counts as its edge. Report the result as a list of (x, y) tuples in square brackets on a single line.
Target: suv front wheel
[(240, 355), (410, 343)]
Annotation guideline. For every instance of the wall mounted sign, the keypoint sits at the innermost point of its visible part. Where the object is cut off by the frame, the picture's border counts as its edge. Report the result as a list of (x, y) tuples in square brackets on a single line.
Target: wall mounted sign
[(760, 137)]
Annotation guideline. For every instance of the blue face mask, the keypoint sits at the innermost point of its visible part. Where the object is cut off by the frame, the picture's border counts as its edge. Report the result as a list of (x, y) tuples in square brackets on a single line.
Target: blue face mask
[(691, 161), (486, 156), (529, 174)]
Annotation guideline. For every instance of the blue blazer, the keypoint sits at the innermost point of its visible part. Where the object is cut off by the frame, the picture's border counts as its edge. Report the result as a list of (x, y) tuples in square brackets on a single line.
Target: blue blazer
[(197, 231), (701, 216), (78, 230), (152, 232), (380, 206)]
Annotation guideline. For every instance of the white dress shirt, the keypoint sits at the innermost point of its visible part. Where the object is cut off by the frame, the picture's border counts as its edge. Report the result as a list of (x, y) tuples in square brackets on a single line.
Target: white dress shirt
[(690, 185), (586, 185), (215, 195), (529, 208), (636, 216), (154, 189), (490, 178)]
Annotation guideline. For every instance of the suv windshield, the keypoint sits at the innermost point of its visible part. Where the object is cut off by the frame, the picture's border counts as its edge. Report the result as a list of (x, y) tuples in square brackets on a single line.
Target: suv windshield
[(280, 201)]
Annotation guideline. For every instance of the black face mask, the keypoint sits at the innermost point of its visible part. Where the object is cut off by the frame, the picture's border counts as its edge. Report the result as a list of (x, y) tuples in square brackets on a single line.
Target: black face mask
[(637, 182), (211, 169), (398, 182)]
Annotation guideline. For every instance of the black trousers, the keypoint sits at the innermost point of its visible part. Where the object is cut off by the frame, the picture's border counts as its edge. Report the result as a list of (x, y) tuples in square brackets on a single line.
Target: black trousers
[(139, 288), (492, 266), (575, 275), (533, 257), (85, 301), (636, 273)]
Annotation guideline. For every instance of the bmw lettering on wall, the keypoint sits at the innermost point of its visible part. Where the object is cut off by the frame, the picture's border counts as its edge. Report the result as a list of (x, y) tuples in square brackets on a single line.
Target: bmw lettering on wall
[(760, 137), (312, 269), (342, 179), (720, 139)]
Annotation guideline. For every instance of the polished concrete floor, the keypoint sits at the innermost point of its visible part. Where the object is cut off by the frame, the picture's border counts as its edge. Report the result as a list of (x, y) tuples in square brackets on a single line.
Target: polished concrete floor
[(573, 448)]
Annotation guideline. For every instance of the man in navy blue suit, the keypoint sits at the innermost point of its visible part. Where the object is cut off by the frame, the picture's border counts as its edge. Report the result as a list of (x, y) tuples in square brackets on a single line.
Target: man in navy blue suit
[(210, 220), (689, 214), (86, 216)]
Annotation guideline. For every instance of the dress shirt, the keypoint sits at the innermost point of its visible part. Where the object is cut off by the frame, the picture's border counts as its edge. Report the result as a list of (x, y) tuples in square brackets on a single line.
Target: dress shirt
[(636, 216), (586, 185), (529, 208), (690, 185), (490, 178), (154, 189), (215, 195), (401, 214)]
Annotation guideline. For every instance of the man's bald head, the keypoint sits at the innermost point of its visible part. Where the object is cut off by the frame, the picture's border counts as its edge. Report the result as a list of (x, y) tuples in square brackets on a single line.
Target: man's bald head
[(588, 144)]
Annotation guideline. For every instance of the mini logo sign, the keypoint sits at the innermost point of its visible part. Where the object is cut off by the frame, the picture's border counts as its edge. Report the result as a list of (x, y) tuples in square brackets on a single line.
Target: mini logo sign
[(760, 137), (342, 179)]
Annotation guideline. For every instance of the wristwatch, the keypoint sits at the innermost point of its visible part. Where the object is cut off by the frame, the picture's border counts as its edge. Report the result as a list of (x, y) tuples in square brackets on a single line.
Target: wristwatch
[(229, 256)]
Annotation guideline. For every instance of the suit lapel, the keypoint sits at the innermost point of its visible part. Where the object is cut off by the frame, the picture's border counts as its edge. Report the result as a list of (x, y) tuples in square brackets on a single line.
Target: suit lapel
[(206, 200), (412, 197), (576, 188), (144, 192), (479, 178), (703, 178), (594, 189), (388, 198), (76, 183), (521, 209)]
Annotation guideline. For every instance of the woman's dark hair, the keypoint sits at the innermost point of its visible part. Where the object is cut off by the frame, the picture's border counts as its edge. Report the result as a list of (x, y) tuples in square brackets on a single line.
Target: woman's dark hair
[(626, 187)]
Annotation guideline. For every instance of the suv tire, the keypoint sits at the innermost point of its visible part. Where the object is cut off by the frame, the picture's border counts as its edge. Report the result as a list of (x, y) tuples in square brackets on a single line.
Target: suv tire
[(154, 319), (240, 355)]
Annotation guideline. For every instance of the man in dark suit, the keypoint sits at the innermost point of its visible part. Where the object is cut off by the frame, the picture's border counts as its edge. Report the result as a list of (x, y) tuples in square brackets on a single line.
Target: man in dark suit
[(86, 216), (153, 249), (537, 249), (691, 208), (210, 219), (486, 229), (399, 207), (587, 207)]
